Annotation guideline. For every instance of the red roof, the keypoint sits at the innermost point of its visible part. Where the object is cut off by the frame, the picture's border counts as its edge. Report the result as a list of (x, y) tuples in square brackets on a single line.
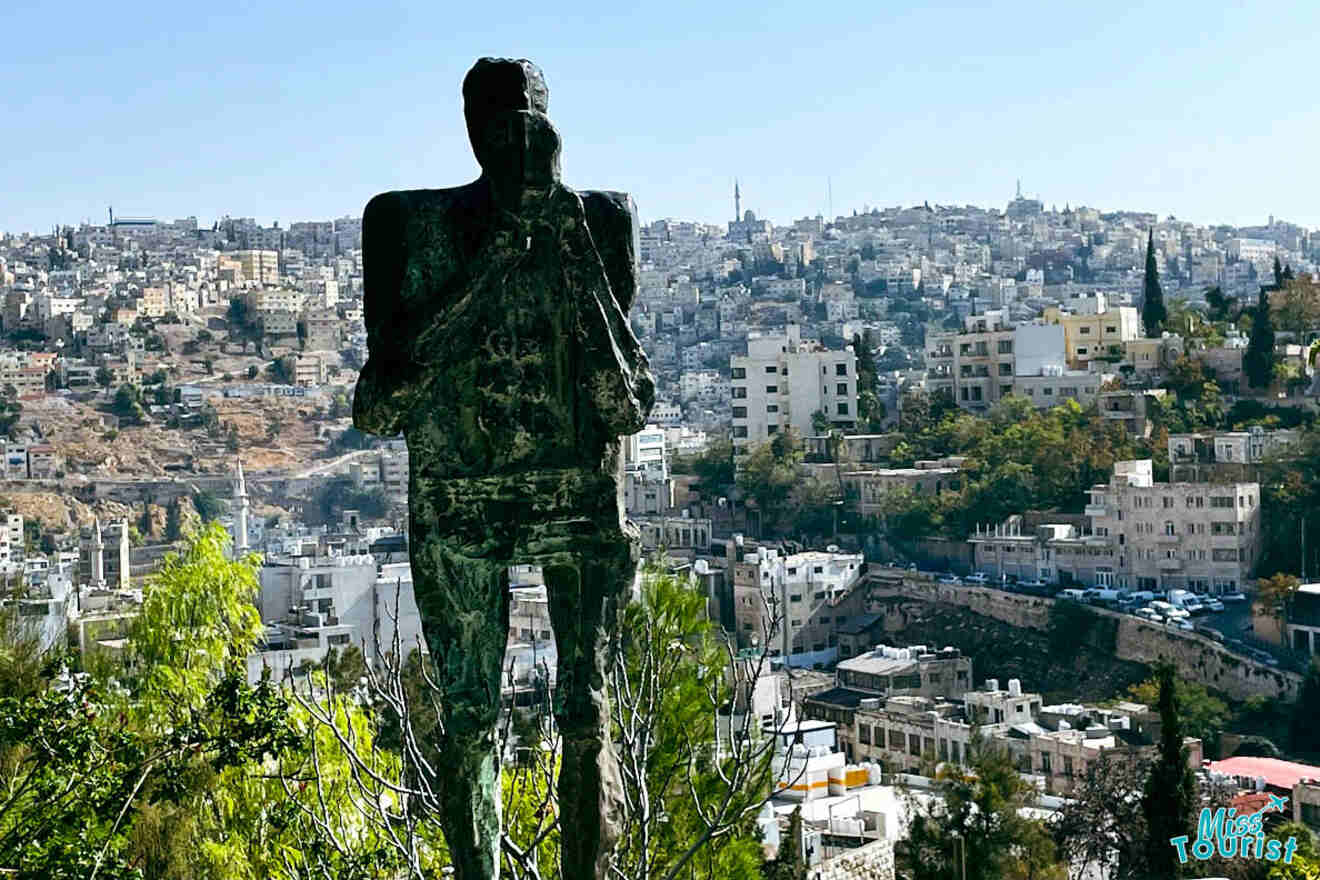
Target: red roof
[(1277, 774)]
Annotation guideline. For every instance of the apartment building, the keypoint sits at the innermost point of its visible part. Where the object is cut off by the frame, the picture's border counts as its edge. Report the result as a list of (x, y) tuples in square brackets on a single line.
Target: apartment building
[(871, 488), (261, 266), (1226, 454), (103, 556), (1100, 335), (1131, 408), (783, 381), (1303, 624), (916, 671), (1140, 535), (810, 593), (979, 365), (1195, 536)]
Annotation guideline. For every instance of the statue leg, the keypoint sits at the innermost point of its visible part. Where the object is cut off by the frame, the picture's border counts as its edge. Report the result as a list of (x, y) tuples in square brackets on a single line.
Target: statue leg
[(464, 605), (584, 598)]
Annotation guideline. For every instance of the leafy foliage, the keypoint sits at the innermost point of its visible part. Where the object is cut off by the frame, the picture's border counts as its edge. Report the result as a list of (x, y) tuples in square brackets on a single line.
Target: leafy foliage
[(1170, 791), (975, 828)]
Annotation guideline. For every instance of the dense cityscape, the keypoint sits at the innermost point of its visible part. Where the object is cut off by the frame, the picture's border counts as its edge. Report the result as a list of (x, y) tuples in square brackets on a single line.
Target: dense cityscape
[(1011, 507)]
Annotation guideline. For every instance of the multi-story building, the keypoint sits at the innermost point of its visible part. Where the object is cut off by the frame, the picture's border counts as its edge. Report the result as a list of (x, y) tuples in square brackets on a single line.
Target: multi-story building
[(1130, 408), (979, 365), (1088, 337), (680, 534), (1141, 535), (808, 594), (784, 381), (1227, 454), (1303, 624), (261, 266), (915, 671), (1196, 536)]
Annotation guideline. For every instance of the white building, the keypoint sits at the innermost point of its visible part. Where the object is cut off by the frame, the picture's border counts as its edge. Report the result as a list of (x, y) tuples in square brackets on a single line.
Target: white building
[(783, 381)]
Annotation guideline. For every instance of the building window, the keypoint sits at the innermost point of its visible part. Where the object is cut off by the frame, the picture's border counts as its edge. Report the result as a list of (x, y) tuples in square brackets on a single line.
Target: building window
[(739, 392), (1005, 346), (772, 429), (843, 409), (771, 369), (1085, 331), (840, 369), (864, 734), (914, 744), (772, 408), (841, 388), (1005, 369), (1045, 763), (740, 412), (772, 389), (1221, 501), (740, 430), (1168, 528)]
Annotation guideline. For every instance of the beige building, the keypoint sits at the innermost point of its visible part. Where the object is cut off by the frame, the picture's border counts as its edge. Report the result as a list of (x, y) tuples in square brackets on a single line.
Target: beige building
[(1227, 454), (1131, 408), (809, 594), (154, 302), (784, 381), (259, 265), (1101, 335), (1195, 536)]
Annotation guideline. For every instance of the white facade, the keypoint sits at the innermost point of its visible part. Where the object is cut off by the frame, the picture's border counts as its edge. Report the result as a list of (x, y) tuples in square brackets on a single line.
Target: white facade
[(783, 381)]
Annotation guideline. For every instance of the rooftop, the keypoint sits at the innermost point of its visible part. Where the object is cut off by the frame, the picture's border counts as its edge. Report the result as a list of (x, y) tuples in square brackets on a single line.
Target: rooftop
[(1276, 773)]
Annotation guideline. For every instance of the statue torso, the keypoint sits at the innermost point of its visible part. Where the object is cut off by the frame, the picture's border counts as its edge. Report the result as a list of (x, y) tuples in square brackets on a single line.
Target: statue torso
[(499, 304)]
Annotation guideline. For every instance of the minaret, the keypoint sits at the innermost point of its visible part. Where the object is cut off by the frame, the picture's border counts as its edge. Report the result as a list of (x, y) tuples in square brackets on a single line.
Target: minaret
[(737, 201), (241, 529), (98, 554)]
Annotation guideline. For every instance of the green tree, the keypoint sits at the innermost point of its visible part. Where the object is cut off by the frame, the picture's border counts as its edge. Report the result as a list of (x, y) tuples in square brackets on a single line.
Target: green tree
[(1153, 312), (1200, 713), (174, 520), (1258, 361), (788, 863), (10, 411), (208, 504), (128, 405), (1304, 733), (768, 474), (974, 827), (105, 377), (1170, 791), (713, 466)]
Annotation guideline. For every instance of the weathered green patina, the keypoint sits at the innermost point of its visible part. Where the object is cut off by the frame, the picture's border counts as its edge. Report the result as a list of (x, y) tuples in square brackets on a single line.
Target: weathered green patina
[(499, 346)]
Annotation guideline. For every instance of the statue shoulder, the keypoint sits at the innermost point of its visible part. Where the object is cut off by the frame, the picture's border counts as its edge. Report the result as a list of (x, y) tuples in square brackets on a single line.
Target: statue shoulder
[(612, 219), (610, 212)]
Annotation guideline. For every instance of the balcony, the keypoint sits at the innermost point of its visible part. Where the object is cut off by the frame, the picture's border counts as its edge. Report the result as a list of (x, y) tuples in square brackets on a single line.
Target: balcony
[(1167, 564), (1096, 510)]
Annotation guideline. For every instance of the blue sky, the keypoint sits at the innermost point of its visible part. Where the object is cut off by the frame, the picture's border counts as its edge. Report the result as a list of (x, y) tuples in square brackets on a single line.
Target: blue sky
[(291, 111)]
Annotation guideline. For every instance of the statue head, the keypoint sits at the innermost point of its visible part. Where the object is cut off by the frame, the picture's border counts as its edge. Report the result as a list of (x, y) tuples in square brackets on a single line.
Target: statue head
[(504, 103)]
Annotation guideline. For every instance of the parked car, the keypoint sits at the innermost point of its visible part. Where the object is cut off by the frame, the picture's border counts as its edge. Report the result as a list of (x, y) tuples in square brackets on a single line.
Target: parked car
[(1179, 623), (979, 578), (1194, 605), (950, 580), (1210, 632), (1232, 597), (1073, 595), (1213, 604), (1149, 614)]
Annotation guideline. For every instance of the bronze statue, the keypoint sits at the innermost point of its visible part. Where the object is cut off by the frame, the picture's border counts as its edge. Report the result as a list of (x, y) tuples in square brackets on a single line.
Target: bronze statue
[(499, 345)]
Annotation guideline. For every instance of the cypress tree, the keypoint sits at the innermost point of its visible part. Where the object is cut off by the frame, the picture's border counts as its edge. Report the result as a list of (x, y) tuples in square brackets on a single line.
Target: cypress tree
[(1170, 794), (1278, 274), (1153, 312), (788, 863), (1258, 359)]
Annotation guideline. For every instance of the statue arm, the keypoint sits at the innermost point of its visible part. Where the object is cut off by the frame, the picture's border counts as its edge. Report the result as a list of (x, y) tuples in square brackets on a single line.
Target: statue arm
[(376, 405), (612, 219)]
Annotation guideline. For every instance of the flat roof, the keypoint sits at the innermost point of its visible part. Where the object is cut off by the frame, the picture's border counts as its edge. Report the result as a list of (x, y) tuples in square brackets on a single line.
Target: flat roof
[(1276, 772)]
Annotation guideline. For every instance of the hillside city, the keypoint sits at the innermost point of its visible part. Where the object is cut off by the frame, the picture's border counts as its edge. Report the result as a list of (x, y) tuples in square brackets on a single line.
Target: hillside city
[(942, 475)]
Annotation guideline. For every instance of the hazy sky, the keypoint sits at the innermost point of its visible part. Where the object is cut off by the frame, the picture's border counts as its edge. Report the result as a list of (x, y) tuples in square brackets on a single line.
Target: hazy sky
[(298, 111)]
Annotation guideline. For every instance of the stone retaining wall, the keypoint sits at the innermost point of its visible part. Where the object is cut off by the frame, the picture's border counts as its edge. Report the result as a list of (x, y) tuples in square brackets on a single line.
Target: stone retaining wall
[(1197, 658), (875, 861)]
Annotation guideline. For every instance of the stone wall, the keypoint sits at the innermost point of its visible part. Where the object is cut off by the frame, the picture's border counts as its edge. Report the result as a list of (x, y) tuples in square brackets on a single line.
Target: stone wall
[(875, 861), (1198, 658)]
